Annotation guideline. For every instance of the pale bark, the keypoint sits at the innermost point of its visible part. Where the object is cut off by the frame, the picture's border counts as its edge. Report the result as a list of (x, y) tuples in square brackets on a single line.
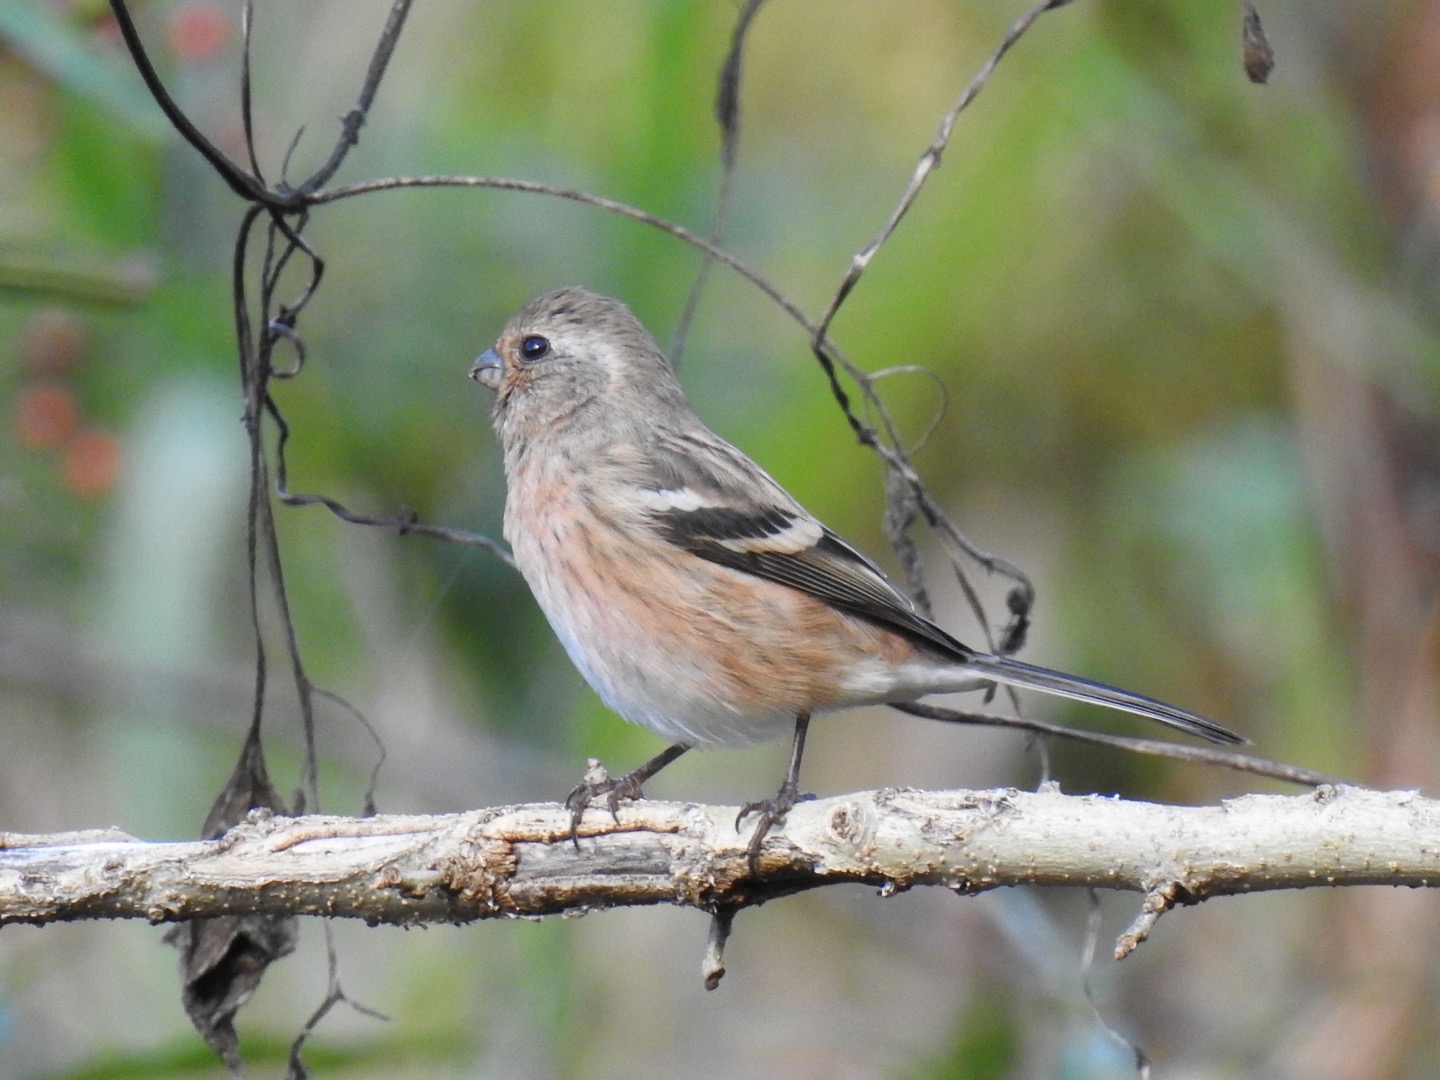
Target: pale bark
[(519, 860)]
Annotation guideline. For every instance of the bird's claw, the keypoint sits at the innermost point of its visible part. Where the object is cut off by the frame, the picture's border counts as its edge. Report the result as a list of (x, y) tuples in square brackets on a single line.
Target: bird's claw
[(596, 782), (768, 813)]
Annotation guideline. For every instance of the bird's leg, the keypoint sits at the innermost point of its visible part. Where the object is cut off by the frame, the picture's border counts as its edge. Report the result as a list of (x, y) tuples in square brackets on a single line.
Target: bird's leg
[(771, 812), (597, 782)]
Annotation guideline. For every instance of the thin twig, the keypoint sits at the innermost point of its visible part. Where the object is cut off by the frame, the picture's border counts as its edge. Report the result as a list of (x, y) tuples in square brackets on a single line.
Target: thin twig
[(355, 118), (239, 181), (1202, 755), (1022, 594), (727, 115), (930, 159), (287, 211), (1087, 967)]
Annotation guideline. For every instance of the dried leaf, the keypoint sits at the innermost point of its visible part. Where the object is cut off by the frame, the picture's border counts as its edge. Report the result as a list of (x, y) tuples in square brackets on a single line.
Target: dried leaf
[(223, 960), (1258, 53)]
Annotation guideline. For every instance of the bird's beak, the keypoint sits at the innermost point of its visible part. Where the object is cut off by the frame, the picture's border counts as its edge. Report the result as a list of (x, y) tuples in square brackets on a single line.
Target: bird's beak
[(488, 369)]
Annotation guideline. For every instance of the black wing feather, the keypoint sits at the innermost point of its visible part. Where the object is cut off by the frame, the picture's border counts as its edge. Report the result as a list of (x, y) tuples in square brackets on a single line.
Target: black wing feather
[(830, 569)]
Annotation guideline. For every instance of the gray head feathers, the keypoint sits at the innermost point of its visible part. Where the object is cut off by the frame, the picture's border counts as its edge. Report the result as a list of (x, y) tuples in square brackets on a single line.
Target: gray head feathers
[(571, 352)]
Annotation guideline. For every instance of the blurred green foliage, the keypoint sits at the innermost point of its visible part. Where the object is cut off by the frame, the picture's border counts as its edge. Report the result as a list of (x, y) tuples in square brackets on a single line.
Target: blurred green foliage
[(1160, 300)]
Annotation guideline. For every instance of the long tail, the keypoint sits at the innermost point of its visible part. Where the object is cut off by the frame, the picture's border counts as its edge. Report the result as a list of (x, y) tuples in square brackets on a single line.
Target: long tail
[(1013, 672)]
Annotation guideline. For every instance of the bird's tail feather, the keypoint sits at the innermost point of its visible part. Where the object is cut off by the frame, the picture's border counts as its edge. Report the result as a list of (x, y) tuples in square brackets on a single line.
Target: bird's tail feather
[(1027, 676)]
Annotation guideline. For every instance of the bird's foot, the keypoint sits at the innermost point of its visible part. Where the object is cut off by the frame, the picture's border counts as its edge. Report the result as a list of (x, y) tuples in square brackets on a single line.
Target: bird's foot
[(597, 782), (768, 813)]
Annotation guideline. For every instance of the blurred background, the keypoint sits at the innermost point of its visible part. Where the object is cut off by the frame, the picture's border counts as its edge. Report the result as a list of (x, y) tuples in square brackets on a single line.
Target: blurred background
[(1188, 331)]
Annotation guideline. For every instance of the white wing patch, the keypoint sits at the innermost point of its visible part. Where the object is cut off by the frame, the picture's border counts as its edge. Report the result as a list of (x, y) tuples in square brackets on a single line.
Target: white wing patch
[(802, 534), (670, 500)]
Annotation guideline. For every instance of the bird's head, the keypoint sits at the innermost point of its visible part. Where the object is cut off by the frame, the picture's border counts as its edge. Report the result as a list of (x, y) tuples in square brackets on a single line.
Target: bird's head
[(567, 354)]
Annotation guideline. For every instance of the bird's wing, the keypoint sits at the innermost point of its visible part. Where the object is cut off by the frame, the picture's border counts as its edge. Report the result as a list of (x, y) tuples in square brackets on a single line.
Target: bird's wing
[(705, 496)]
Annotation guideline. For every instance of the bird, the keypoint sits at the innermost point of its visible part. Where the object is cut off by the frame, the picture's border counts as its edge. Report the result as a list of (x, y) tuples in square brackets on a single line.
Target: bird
[(694, 594)]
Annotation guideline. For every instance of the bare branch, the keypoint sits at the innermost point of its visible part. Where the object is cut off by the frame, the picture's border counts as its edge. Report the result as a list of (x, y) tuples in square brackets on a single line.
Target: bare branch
[(518, 860)]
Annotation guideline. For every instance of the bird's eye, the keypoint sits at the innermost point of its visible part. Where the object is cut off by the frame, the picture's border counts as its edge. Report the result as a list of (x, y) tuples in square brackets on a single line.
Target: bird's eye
[(535, 348)]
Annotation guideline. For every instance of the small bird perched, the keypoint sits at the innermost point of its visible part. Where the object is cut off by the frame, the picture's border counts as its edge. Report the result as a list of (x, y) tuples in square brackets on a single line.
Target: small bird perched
[(694, 594)]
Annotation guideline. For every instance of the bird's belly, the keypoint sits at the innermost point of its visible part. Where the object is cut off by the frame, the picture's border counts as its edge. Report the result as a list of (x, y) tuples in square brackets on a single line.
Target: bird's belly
[(696, 652), (678, 673)]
